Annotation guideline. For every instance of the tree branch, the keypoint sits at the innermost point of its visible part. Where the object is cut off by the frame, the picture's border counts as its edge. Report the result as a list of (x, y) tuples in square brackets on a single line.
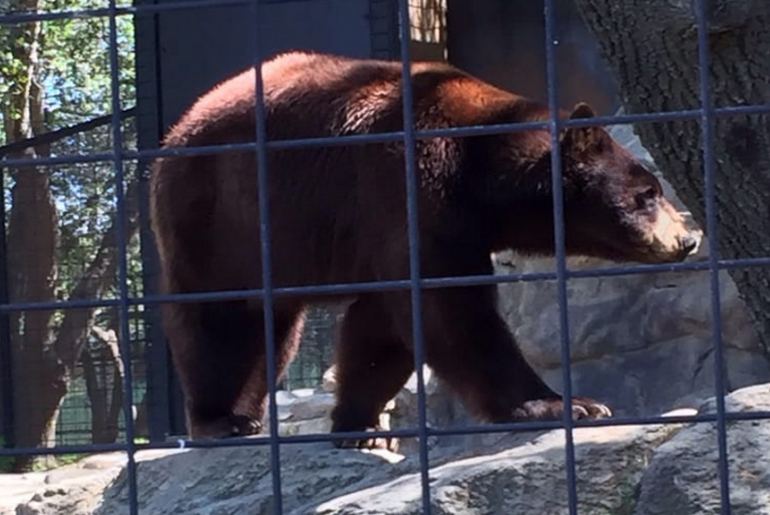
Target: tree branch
[(92, 284), (59, 134)]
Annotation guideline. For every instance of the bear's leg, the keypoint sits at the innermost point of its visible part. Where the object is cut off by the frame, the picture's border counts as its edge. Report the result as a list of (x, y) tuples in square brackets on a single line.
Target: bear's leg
[(217, 347), (214, 345), (469, 345), (288, 326), (372, 365)]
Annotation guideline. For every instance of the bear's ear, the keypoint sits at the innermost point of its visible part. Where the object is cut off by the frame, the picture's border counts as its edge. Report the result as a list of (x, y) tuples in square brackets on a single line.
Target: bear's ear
[(582, 110), (581, 139)]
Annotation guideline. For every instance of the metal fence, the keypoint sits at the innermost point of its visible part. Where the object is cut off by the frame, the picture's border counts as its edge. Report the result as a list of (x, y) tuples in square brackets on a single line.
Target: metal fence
[(706, 115)]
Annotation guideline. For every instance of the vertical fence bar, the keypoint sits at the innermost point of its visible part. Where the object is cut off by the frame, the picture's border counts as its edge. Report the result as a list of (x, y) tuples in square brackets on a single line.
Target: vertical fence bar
[(6, 364), (149, 131), (551, 41), (265, 248), (707, 137), (414, 247), (122, 244)]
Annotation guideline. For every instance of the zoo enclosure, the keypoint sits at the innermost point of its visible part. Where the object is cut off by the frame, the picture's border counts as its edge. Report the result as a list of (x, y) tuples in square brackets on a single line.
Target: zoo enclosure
[(126, 301)]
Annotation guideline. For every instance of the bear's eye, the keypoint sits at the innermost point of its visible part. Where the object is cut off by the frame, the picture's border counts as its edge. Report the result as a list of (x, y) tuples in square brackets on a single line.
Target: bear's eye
[(645, 197)]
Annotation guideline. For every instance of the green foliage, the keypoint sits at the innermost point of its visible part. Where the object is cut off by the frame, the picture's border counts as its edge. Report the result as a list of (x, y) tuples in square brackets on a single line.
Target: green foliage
[(6, 462), (73, 64), (74, 70), (69, 459)]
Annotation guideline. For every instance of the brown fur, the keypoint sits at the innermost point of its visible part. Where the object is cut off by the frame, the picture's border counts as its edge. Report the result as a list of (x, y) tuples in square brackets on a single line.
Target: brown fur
[(339, 215)]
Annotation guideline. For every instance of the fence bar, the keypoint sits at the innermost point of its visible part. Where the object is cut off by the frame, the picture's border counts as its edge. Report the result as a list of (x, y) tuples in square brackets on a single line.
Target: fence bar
[(414, 247), (122, 244), (184, 5), (391, 285), (65, 132), (6, 358), (552, 80), (513, 427), (709, 169), (386, 137), (707, 114), (265, 248)]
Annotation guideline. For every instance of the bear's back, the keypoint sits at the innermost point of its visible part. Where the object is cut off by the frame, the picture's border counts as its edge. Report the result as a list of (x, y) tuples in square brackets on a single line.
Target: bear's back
[(315, 95)]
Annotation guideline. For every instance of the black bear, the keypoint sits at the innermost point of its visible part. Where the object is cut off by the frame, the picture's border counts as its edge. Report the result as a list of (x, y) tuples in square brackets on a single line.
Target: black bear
[(338, 215)]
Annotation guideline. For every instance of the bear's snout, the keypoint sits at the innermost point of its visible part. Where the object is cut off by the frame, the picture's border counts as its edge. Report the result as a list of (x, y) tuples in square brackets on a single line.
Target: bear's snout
[(669, 236), (689, 244)]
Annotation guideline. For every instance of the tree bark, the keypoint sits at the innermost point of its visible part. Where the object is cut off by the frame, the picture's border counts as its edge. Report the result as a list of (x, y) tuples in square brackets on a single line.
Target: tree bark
[(58, 355), (105, 402), (651, 46), (31, 247)]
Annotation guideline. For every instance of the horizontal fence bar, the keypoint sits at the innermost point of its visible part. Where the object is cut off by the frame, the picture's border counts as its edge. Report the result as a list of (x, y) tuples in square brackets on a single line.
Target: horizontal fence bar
[(79, 14), (392, 285), (386, 137), (18, 17), (512, 427), (53, 136)]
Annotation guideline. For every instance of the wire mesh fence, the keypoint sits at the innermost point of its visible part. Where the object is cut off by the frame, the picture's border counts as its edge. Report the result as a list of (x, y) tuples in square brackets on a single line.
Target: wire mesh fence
[(100, 368)]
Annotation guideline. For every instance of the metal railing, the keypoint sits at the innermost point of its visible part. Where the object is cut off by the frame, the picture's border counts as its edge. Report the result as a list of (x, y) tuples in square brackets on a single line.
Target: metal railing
[(706, 114)]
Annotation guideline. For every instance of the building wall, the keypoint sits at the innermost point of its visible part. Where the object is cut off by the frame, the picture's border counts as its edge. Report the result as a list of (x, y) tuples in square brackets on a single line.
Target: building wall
[(200, 47), (503, 42)]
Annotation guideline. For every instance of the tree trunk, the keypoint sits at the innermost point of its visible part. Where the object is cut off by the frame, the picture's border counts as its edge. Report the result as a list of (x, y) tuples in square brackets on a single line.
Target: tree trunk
[(31, 247), (651, 46), (103, 373), (56, 356)]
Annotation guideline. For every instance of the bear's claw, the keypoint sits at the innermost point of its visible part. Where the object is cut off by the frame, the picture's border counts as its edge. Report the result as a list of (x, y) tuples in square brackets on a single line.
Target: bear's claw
[(385, 443), (552, 409), (243, 425), (226, 427)]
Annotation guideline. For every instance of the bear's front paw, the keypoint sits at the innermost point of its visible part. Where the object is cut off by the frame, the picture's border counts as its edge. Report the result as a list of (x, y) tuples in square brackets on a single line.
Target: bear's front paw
[(552, 409), (386, 443)]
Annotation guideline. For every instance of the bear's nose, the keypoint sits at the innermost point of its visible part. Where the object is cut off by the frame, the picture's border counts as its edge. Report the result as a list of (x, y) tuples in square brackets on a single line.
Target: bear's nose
[(688, 243)]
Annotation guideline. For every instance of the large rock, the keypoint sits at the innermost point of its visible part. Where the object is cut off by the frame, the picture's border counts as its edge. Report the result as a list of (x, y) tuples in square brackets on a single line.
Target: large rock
[(238, 480), (526, 479), (683, 479), (645, 470), (319, 479)]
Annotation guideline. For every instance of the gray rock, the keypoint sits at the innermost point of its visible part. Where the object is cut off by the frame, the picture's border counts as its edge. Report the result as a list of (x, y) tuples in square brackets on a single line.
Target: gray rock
[(682, 477), (305, 404), (527, 479), (329, 379), (238, 480), (645, 470), (73, 490)]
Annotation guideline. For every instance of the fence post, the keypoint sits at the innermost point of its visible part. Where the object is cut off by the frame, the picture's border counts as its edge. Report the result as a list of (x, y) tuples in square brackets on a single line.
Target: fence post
[(6, 367)]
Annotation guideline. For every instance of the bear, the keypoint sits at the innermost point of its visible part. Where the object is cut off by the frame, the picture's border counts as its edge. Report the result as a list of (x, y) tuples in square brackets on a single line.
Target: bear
[(338, 215)]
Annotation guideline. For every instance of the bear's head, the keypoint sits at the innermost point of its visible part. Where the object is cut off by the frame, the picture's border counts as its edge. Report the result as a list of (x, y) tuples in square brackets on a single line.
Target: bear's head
[(614, 207)]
